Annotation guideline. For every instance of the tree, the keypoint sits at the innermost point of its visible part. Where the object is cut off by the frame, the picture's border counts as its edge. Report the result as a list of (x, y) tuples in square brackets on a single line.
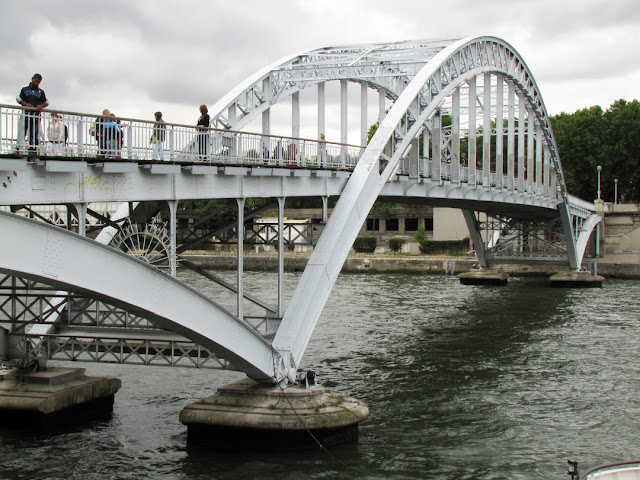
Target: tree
[(589, 138), (580, 145)]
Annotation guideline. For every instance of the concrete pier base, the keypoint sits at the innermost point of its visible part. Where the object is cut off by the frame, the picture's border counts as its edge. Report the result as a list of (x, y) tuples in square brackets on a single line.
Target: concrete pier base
[(53, 397), (483, 277), (247, 414), (576, 280)]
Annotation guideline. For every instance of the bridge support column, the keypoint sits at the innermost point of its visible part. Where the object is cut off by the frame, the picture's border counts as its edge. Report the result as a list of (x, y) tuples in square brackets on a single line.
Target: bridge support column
[(483, 277), (572, 279), (455, 137), (53, 397), (173, 228), (280, 256), (240, 238), (248, 414), (472, 132), (499, 131), (325, 201), (81, 215)]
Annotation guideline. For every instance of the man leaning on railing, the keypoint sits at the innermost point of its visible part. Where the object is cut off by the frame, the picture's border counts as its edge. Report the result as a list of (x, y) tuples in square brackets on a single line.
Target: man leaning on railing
[(32, 96)]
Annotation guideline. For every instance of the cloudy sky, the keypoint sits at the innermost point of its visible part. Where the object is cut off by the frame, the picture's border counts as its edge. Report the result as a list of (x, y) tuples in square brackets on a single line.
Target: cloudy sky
[(139, 56)]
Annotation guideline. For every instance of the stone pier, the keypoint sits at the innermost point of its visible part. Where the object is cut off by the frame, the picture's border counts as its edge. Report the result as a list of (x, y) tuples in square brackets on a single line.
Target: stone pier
[(53, 397), (576, 280), (248, 414), (483, 277)]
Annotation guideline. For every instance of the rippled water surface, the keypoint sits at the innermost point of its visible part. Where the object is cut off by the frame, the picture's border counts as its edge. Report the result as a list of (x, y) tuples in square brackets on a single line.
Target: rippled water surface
[(463, 382)]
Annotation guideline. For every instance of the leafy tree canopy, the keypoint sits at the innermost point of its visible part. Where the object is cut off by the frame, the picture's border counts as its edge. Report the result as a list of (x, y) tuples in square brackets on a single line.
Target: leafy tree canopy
[(591, 137)]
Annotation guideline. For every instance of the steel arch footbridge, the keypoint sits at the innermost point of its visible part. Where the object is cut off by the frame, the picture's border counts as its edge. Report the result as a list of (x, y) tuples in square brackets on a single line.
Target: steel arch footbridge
[(437, 102)]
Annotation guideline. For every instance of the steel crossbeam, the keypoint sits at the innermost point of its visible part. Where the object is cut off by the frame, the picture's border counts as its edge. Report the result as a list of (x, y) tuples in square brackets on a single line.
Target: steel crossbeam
[(115, 349)]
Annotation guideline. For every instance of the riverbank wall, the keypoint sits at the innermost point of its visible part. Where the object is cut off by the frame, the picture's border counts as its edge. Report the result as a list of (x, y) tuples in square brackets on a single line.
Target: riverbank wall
[(386, 263)]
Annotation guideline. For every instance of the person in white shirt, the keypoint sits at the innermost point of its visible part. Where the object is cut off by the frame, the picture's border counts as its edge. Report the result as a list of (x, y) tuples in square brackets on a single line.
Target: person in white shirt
[(57, 136)]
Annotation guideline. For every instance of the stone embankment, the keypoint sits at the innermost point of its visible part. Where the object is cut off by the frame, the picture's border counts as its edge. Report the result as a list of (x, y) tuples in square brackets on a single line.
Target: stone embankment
[(398, 263)]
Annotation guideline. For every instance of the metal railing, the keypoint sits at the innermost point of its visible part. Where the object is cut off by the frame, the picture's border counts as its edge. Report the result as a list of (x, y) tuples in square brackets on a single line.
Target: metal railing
[(70, 135)]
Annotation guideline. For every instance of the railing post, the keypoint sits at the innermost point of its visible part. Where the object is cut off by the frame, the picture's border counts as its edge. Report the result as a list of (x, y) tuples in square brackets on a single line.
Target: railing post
[(21, 131), (129, 141), (172, 148), (80, 136)]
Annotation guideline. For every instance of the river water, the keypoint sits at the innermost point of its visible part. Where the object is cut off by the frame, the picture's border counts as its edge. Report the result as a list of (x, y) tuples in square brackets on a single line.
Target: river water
[(463, 382)]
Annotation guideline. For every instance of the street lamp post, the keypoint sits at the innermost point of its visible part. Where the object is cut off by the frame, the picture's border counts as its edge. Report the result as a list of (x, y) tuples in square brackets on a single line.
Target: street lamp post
[(615, 191), (599, 170)]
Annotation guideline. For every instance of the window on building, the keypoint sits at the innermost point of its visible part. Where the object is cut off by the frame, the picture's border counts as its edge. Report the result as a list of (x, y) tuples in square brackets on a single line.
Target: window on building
[(392, 224), (373, 224), (411, 224), (428, 224)]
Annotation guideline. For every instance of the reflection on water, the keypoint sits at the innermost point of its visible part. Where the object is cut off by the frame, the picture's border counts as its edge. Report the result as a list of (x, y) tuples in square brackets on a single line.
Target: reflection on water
[(463, 382)]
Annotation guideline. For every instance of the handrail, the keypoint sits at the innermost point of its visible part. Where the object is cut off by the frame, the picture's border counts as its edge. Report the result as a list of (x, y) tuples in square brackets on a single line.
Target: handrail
[(27, 132)]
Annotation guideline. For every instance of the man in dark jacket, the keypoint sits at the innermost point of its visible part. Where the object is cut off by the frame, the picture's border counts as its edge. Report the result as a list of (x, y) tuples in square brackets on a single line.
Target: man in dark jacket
[(33, 97)]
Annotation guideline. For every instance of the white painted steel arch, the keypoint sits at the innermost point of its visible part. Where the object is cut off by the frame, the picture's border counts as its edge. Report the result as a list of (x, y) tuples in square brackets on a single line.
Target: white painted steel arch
[(384, 66), (447, 70), (74, 263)]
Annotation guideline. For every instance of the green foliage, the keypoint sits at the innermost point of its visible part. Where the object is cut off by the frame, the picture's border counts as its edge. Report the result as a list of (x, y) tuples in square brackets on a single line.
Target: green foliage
[(365, 244), (395, 244), (222, 212), (453, 247), (372, 131), (421, 235), (385, 209), (590, 137)]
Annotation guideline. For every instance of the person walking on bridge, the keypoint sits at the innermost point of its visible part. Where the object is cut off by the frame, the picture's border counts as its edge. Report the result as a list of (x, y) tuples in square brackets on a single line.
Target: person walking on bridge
[(157, 139), (203, 134), (33, 97)]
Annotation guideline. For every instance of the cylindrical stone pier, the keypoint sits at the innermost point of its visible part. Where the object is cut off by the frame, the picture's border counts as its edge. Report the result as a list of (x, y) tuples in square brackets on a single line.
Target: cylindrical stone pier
[(53, 397), (250, 415)]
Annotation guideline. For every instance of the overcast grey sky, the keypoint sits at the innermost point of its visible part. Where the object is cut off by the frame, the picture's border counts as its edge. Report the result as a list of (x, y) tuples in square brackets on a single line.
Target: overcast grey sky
[(139, 56)]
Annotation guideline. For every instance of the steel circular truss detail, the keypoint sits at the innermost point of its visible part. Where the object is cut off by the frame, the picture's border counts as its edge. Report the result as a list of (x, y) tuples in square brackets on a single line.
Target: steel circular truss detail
[(148, 242)]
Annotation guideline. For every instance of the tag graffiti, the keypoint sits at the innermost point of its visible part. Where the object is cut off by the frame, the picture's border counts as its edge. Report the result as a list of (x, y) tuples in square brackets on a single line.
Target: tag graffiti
[(90, 182)]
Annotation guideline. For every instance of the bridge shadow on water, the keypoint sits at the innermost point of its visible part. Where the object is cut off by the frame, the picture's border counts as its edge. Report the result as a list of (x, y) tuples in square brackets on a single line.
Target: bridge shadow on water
[(440, 360)]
